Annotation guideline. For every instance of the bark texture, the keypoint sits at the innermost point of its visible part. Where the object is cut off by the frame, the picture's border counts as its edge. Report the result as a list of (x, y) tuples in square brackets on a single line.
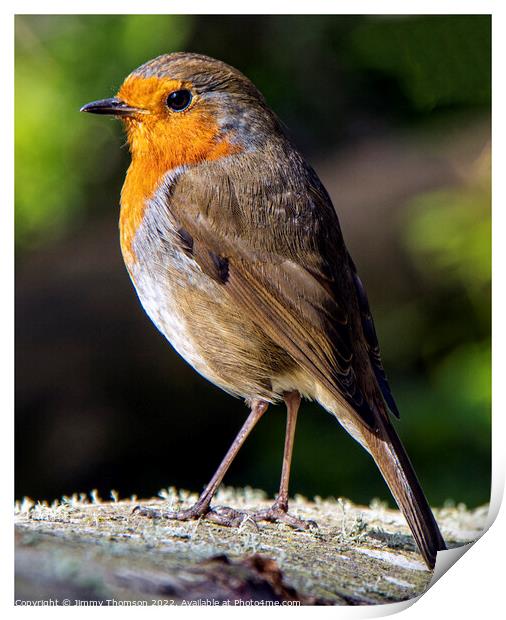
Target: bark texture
[(84, 550)]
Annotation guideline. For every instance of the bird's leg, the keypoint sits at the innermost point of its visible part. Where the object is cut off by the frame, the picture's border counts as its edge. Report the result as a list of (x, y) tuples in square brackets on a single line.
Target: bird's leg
[(278, 512), (225, 516), (292, 401)]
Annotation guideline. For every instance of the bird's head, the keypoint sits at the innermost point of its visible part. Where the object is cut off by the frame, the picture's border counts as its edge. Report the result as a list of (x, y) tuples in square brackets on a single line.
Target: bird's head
[(182, 109)]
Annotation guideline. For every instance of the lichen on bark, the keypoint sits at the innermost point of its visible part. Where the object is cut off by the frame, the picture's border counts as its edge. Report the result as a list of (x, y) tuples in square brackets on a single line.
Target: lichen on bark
[(86, 549)]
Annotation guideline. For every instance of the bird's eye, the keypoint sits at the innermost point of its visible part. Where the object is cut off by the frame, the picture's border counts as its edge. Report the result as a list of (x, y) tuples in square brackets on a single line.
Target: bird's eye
[(179, 100)]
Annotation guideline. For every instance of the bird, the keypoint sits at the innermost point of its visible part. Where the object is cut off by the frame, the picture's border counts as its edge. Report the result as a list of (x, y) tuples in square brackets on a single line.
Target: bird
[(236, 253)]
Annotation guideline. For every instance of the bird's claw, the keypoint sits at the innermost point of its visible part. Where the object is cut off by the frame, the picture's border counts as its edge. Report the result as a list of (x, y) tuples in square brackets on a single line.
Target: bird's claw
[(228, 517), (275, 514), (195, 512)]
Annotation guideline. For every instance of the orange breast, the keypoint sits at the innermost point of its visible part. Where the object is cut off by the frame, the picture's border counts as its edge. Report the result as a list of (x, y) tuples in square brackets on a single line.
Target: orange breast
[(160, 142), (141, 181)]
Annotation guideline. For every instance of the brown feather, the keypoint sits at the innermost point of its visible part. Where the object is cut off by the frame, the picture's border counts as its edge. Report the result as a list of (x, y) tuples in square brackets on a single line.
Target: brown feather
[(272, 278)]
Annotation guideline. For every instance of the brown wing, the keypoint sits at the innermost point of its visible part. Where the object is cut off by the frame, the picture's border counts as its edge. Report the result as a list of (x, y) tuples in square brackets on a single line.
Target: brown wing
[(277, 250)]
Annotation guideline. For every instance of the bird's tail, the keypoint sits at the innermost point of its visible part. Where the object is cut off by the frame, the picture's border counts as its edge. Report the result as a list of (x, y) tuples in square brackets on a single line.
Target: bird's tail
[(395, 466)]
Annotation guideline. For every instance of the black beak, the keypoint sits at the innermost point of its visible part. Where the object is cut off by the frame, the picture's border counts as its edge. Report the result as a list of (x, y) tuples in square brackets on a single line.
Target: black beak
[(112, 106)]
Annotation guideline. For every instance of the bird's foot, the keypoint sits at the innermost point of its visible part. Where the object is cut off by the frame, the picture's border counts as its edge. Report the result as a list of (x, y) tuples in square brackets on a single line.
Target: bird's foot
[(229, 517), (194, 512), (278, 513), (222, 515)]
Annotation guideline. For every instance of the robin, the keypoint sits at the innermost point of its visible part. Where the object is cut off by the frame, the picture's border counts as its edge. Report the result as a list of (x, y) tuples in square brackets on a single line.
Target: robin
[(236, 253)]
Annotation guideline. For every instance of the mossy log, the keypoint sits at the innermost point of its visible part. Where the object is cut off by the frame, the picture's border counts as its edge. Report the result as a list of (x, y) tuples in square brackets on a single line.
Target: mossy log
[(88, 551)]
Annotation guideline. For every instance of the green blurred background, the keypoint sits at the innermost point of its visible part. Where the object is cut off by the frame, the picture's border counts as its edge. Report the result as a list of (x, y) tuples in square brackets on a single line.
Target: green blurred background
[(394, 114)]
